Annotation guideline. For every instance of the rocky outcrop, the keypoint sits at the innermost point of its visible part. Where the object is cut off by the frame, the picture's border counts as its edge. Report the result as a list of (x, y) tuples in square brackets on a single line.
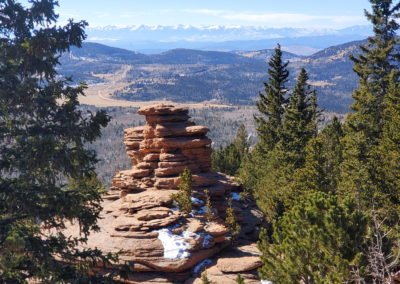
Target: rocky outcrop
[(242, 259), (142, 223)]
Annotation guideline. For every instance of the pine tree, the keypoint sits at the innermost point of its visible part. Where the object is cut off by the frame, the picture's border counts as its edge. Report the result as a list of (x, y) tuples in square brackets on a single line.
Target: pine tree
[(313, 242), (239, 279), (273, 192), (300, 124), (204, 278), (271, 106), (388, 197), (47, 172), (231, 222), (183, 198), (209, 214), (364, 128), (321, 170), (229, 159), (272, 101)]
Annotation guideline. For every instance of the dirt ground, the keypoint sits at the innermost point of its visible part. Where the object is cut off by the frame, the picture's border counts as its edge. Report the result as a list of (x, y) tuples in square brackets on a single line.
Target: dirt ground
[(100, 94)]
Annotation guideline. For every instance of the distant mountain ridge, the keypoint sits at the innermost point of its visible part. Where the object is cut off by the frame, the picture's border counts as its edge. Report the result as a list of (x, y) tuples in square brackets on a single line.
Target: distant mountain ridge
[(155, 39), (235, 77)]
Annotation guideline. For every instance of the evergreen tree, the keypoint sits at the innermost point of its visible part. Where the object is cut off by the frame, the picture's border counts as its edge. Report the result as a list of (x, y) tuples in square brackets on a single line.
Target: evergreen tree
[(387, 199), (183, 198), (313, 242), (204, 278), (321, 170), (209, 214), (239, 279), (272, 101), (229, 159), (231, 222), (300, 124), (271, 106), (273, 192), (364, 128), (47, 173)]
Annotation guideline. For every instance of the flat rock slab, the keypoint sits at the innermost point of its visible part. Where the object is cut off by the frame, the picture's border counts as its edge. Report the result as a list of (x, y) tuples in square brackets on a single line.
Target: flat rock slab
[(162, 109), (240, 259)]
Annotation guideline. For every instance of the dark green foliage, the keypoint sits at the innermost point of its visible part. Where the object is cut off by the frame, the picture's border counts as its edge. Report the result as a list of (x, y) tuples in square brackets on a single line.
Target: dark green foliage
[(273, 190), (324, 224), (271, 106), (47, 175), (300, 123), (239, 279), (229, 159), (321, 170), (388, 151), (364, 128), (313, 242), (231, 221), (183, 198), (204, 278), (271, 103), (209, 214)]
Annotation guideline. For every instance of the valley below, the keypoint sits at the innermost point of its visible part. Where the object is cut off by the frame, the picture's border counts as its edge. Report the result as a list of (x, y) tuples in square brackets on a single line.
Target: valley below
[(198, 79)]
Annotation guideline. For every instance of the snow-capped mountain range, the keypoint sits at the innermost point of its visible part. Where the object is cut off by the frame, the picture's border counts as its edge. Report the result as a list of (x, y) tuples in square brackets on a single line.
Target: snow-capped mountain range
[(217, 37)]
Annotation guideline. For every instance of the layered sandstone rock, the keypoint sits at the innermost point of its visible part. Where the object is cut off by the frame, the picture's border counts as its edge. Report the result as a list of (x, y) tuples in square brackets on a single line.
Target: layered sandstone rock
[(140, 219), (141, 222)]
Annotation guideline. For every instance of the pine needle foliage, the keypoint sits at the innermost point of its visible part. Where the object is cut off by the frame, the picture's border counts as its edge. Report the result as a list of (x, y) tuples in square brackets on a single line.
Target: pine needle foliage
[(209, 214), (47, 172), (273, 190), (229, 159), (313, 242), (204, 278), (271, 102), (239, 279), (365, 127), (231, 221), (183, 198)]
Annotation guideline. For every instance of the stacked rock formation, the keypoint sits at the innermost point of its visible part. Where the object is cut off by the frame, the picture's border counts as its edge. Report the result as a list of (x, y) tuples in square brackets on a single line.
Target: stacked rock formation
[(142, 223), (140, 219)]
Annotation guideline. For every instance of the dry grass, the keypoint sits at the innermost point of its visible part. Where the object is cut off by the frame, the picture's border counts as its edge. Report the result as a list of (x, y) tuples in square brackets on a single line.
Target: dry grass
[(100, 95)]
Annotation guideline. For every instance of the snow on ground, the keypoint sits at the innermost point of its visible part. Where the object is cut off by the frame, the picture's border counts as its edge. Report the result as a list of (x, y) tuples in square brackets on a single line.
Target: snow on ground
[(235, 196), (265, 282), (208, 241), (176, 245), (202, 210), (201, 266), (197, 201)]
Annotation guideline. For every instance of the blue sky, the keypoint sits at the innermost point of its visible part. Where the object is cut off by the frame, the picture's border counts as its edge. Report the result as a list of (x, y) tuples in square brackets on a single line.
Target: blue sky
[(270, 13)]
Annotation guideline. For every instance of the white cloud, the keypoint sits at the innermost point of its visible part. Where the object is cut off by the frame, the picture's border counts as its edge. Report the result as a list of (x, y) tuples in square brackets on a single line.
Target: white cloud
[(281, 19)]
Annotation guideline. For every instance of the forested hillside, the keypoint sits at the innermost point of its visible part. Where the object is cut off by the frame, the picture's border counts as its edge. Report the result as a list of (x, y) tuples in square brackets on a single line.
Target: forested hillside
[(185, 75), (330, 197)]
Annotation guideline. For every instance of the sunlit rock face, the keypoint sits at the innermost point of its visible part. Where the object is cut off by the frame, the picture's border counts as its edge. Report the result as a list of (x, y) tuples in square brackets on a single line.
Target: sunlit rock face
[(141, 222)]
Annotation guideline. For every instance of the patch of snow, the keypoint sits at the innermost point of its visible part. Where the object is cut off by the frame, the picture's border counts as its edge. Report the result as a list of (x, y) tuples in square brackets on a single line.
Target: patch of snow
[(175, 246), (266, 282), (208, 241), (235, 196), (175, 208), (201, 266), (202, 210), (197, 201)]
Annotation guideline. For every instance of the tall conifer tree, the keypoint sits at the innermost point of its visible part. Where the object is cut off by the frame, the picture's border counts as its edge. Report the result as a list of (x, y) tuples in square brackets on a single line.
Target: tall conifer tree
[(271, 106), (321, 170), (364, 128), (47, 173), (272, 101), (273, 192)]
